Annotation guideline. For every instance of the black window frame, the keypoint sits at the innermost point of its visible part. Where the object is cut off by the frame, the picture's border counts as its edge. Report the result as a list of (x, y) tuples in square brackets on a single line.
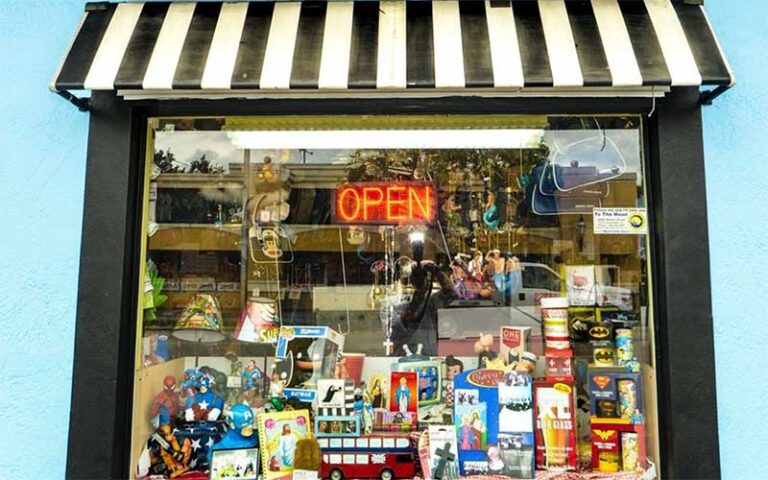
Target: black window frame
[(102, 384)]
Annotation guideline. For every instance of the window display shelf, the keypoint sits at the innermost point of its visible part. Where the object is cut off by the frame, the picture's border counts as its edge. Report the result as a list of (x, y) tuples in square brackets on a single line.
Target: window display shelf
[(196, 237)]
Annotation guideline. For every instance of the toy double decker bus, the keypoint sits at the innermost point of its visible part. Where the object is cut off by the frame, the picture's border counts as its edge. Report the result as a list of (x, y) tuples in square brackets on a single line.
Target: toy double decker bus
[(384, 455)]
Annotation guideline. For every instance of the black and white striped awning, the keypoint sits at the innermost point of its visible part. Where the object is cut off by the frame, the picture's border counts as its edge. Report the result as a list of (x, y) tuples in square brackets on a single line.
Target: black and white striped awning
[(390, 45)]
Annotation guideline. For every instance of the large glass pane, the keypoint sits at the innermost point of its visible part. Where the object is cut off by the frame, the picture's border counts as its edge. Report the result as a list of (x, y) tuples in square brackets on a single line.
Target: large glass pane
[(415, 256)]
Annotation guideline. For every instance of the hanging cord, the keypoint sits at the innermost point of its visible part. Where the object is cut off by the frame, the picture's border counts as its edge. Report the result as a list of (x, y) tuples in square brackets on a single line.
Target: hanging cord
[(602, 133), (653, 102), (344, 277)]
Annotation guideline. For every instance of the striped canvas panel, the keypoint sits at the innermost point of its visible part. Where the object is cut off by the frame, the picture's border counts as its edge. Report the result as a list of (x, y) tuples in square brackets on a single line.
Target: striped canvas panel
[(392, 45)]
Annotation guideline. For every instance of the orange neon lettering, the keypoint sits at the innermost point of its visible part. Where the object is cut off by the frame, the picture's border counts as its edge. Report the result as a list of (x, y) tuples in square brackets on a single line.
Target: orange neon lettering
[(392, 202), (425, 207), (369, 201), (342, 208)]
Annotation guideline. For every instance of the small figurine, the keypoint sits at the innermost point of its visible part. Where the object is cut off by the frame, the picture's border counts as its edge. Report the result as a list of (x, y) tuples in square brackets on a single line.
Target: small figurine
[(367, 416), (240, 420), (527, 363), (204, 404), (235, 365), (276, 387), (165, 405), (175, 457), (252, 376), (453, 367), (483, 350)]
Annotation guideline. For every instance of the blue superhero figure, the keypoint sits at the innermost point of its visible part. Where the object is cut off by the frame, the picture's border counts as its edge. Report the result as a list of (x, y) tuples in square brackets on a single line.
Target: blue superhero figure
[(203, 404), (241, 431)]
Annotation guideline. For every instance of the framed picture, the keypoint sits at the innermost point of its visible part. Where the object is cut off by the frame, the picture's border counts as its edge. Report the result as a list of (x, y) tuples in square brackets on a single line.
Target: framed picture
[(333, 426), (430, 379), (240, 464), (403, 392)]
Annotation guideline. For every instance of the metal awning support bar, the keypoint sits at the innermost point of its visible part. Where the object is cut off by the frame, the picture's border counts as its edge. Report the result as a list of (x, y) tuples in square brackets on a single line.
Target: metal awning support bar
[(82, 104), (706, 98)]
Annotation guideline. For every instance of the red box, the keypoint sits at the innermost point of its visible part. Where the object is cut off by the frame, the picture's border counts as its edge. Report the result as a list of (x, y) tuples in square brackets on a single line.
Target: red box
[(607, 454), (559, 365), (555, 426)]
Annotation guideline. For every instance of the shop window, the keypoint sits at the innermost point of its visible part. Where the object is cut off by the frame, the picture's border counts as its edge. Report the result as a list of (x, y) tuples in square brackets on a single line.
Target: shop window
[(283, 253)]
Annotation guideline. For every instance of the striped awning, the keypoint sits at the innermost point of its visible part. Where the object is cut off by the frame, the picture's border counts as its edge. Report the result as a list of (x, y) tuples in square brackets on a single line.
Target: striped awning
[(389, 45)]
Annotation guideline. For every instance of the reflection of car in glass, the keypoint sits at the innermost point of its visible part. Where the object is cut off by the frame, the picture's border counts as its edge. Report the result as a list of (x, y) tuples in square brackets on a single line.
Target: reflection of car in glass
[(538, 281)]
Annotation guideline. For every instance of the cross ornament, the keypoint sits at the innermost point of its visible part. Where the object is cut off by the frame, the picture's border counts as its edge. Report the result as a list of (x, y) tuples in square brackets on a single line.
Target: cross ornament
[(445, 456)]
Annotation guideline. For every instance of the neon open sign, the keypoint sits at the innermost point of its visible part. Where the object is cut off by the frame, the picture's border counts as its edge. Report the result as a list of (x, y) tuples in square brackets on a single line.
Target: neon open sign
[(385, 203)]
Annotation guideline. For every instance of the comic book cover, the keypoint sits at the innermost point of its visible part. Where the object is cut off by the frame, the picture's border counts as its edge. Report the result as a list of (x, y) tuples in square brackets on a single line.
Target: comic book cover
[(278, 434)]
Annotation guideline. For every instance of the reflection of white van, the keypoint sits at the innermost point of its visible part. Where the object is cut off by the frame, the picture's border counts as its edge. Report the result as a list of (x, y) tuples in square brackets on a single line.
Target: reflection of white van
[(538, 281), (541, 280)]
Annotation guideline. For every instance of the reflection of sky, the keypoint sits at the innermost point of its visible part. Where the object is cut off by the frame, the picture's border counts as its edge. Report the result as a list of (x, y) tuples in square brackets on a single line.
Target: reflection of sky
[(189, 146)]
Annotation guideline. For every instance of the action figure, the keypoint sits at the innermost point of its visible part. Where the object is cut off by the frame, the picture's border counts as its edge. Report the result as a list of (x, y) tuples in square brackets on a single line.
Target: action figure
[(252, 377), (276, 386), (204, 404), (165, 405), (241, 430), (175, 457)]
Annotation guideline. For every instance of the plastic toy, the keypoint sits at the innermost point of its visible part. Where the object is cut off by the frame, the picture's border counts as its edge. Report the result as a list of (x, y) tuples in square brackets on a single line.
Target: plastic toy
[(241, 430), (276, 388), (175, 456), (483, 350), (204, 404), (165, 405)]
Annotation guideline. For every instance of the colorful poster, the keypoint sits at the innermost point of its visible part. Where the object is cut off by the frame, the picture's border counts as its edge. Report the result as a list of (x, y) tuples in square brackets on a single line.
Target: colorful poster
[(403, 397)]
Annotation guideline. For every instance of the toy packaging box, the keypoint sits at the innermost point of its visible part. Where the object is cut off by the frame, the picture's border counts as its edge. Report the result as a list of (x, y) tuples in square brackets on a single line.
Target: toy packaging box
[(429, 375), (559, 365), (443, 448), (513, 341), (580, 283), (303, 356), (278, 434), (617, 447), (615, 395), (555, 426), (517, 455), (477, 424), (515, 441)]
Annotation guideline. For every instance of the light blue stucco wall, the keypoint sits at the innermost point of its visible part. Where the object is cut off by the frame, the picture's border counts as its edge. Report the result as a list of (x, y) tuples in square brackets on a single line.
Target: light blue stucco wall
[(42, 169)]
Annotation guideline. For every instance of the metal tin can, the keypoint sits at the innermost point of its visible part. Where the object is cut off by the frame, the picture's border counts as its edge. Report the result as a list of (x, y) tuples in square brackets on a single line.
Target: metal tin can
[(554, 313), (624, 349), (627, 398), (629, 451)]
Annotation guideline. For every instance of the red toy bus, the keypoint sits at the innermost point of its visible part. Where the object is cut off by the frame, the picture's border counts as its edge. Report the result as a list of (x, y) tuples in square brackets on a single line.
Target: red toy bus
[(386, 456)]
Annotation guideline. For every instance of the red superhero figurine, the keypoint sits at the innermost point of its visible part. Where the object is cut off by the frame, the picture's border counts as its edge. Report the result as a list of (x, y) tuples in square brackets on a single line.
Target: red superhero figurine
[(165, 405)]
